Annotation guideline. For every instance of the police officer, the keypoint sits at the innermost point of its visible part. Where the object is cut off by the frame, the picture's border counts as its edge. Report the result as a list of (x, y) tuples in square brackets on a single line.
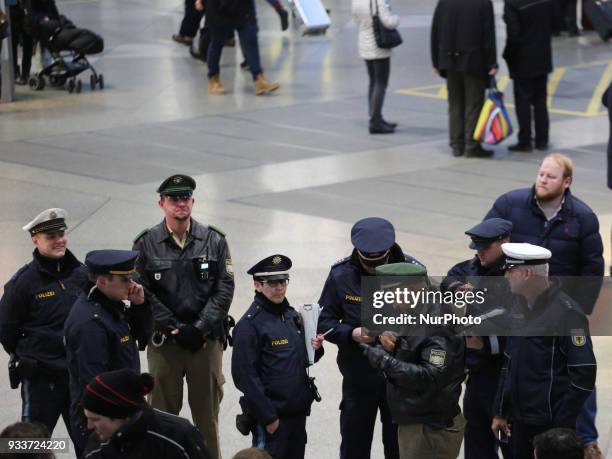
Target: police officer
[(101, 332), (424, 370), (187, 268), (125, 426), (363, 387), (545, 379), (269, 363), (484, 354), (35, 304)]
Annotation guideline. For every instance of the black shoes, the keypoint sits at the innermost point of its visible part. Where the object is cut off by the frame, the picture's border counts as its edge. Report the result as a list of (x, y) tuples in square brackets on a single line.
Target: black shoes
[(542, 146), (284, 18), (479, 153), (457, 152), (381, 128), (393, 125), (520, 148)]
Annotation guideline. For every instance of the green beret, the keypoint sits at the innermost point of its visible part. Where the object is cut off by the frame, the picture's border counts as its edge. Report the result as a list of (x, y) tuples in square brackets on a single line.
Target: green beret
[(177, 185), (401, 269)]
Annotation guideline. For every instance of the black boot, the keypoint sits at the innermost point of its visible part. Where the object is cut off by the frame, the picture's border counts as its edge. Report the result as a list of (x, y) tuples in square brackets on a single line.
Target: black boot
[(284, 18), (393, 125)]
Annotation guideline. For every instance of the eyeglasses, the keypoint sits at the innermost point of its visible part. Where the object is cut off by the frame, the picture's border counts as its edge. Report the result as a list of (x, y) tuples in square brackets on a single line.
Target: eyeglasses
[(276, 283), (179, 198)]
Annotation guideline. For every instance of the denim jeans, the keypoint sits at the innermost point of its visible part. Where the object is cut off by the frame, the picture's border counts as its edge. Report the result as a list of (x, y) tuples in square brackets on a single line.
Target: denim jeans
[(585, 425), (248, 42)]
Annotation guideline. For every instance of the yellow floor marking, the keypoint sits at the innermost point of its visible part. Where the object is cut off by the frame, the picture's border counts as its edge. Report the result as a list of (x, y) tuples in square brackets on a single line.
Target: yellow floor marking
[(553, 83), (595, 104)]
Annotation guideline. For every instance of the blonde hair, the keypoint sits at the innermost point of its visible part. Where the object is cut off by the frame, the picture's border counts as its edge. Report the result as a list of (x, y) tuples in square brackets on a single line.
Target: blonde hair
[(562, 160)]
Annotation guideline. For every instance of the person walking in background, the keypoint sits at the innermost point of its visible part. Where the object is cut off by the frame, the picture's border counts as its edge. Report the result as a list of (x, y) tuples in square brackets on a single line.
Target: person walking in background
[(222, 18), (463, 50), (528, 53), (377, 60), (189, 24)]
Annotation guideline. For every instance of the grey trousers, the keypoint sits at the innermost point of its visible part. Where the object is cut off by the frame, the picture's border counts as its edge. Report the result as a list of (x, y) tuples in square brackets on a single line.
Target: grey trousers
[(465, 100)]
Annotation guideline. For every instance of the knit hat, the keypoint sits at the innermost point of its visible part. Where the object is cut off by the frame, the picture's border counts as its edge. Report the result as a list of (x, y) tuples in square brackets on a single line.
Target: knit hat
[(117, 394)]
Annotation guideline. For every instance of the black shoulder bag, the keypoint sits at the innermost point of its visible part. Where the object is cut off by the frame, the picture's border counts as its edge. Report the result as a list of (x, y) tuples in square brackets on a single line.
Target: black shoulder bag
[(385, 38)]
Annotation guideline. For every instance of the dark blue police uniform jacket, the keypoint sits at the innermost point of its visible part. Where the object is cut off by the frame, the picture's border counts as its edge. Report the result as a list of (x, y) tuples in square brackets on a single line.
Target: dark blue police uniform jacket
[(572, 236), (269, 361), (34, 307), (98, 339), (341, 303), (545, 380)]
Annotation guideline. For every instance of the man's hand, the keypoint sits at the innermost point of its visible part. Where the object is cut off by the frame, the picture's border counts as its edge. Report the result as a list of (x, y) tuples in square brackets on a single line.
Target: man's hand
[(273, 426), (500, 426), (136, 293), (188, 337), (317, 342), (377, 356), (474, 342), (360, 336), (388, 342), (493, 71)]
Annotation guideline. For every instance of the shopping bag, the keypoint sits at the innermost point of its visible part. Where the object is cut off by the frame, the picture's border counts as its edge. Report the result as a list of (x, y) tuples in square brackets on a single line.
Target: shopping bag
[(494, 123)]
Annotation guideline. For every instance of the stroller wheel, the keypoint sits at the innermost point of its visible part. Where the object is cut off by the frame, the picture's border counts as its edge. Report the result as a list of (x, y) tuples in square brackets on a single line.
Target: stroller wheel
[(57, 81), (78, 87), (92, 82), (37, 82), (101, 81), (71, 85)]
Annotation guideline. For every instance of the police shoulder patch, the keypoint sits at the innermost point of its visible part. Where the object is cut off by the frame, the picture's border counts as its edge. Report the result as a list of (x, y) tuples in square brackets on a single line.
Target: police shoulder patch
[(437, 357), (141, 234), (578, 340), (216, 230)]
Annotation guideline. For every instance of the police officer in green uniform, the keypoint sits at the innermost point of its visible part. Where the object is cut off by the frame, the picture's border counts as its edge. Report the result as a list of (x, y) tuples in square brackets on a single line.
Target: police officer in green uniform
[(187, 268)]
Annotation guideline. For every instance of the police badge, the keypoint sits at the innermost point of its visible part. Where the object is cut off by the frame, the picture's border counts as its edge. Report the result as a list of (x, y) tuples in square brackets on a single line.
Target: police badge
[(157, 276), (437, 357)]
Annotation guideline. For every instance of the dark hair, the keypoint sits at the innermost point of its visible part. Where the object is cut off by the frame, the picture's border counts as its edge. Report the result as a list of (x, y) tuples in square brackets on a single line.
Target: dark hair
[(26, 430), (558, 443), (252, 453)]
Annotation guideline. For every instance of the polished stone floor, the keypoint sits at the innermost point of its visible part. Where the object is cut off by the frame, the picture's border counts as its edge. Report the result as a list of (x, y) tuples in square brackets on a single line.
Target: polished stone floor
[(285, 173)]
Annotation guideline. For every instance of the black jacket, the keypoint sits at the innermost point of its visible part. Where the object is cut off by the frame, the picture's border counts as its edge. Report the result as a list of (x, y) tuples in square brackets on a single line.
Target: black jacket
[(193, 285), (230, 13), (607, 102), (546, 379), (34, 307), (572, 237), (150, 434), (269, 361), (341, 303), (424, 378), (528, 49), (463, 37), (101, 335)]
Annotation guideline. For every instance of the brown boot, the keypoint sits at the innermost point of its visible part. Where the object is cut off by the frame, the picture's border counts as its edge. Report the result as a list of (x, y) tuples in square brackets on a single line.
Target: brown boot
[(592, 451), (215, 87), (263, 86)]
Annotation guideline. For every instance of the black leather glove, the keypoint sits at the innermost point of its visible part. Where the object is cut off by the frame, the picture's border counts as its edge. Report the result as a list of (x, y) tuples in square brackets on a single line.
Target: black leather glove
[(190, 338), (377, 356)]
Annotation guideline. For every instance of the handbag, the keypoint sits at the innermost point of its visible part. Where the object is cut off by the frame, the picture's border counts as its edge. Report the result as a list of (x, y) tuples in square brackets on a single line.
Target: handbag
[(385, 38), (493, 124)]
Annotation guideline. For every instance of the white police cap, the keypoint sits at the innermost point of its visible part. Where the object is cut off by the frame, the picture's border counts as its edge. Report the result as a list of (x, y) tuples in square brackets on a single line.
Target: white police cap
[(48, 220), (518, 254)]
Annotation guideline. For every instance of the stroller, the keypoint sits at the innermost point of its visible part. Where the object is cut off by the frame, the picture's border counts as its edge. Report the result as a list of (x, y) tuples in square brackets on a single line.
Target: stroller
[(68, 45)]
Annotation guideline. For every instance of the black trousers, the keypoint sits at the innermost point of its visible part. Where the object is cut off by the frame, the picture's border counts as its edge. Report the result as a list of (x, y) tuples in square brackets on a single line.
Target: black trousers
[(521, 441), (358, 411), (378, 73), (191, 20), (289, 440), (530, 94), (19, 35), (564, 15), (45, 399), (479, 441), (466, 94)]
